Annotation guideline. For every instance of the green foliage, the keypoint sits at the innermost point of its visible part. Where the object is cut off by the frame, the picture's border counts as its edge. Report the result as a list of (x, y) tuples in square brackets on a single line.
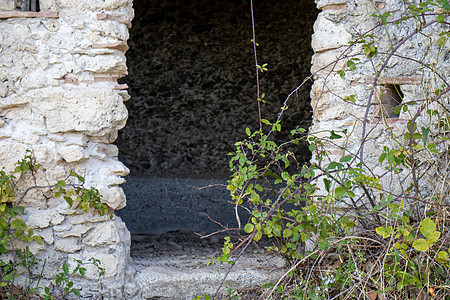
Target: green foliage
[(378, 234), (13, 228), (63, 284)]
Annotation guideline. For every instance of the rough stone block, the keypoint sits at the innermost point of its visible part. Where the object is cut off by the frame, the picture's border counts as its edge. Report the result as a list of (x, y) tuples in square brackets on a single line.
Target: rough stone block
[(43, 218), (6, 5), (46, 235), (73, 153), (105, 64), (103, 234), (95, 111), (76, 231), (67, 245), (329, 35), (10, 153), (114, 197)]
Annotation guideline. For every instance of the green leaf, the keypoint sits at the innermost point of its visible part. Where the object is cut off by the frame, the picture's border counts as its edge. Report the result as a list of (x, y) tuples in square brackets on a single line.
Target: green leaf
[(442, 257), (247, 131), (440, 19), (345, 159), (420, 245), (38, 239), (16, 223), (427, 227), (334, 136), (287, 232), (8, 277), (249, 228), (384, 232), (65, 268), (258, 236), (339, 191), (76, 292), (433, 237), (425, 132)]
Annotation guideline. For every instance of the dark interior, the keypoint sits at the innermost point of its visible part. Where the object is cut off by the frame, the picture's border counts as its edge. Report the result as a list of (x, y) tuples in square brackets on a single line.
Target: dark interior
[(193, 93)]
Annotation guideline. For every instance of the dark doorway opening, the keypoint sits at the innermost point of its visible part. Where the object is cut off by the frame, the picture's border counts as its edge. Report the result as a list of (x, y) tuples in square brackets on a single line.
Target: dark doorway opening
[(193, 89)]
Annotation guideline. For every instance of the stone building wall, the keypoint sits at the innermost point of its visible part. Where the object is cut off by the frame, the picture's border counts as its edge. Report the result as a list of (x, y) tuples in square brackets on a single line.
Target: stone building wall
[(343, 21), (60, 98)]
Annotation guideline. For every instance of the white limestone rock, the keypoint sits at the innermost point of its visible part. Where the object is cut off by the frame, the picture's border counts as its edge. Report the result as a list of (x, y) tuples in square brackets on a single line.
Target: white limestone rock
[(73, 153), (67, 245), (46, 234), (76, 231), (114, 197), (43, 218), (107, 261), (102, 235), (329, 35)]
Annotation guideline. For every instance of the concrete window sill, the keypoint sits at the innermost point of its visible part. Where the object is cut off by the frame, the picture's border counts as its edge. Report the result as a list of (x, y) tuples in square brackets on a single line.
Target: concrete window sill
[(28, 14)]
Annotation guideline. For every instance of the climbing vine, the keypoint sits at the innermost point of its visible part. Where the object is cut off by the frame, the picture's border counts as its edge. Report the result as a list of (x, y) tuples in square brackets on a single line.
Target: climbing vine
[(345, 230)]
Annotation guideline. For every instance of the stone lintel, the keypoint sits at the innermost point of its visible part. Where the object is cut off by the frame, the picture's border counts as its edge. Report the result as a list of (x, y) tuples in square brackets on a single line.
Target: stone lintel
[(28, 14), (121, 46), (395, 80), (334, 7), (108, 17)]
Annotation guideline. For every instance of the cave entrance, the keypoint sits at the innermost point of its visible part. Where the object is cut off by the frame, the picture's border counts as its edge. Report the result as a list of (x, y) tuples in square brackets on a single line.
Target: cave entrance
[(192, 86)]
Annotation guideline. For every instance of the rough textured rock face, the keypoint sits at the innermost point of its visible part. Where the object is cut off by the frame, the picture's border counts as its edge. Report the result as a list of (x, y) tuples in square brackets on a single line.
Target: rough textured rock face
[(60, 98), (192, 81)]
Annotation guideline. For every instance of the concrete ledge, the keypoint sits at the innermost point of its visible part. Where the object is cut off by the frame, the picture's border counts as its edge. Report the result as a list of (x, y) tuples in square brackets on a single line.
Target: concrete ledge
[(176, 281), (28, 14)]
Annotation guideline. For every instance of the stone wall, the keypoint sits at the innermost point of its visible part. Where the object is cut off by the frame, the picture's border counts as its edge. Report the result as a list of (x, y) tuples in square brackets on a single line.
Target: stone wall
[(341, 22), (60, 98)]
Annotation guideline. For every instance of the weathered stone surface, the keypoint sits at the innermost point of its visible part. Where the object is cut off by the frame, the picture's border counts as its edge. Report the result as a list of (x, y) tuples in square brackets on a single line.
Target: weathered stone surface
[(103, 234), (93, 5), (107, 261), (73, 153), (67, 245), (329, 35), (46, 234), (7, 5), (43, 218), (76, 231), (114, 197)]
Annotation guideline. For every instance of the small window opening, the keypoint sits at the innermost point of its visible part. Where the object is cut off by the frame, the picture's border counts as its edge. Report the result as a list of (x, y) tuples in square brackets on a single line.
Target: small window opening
[(391, 97), (27, 5)]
